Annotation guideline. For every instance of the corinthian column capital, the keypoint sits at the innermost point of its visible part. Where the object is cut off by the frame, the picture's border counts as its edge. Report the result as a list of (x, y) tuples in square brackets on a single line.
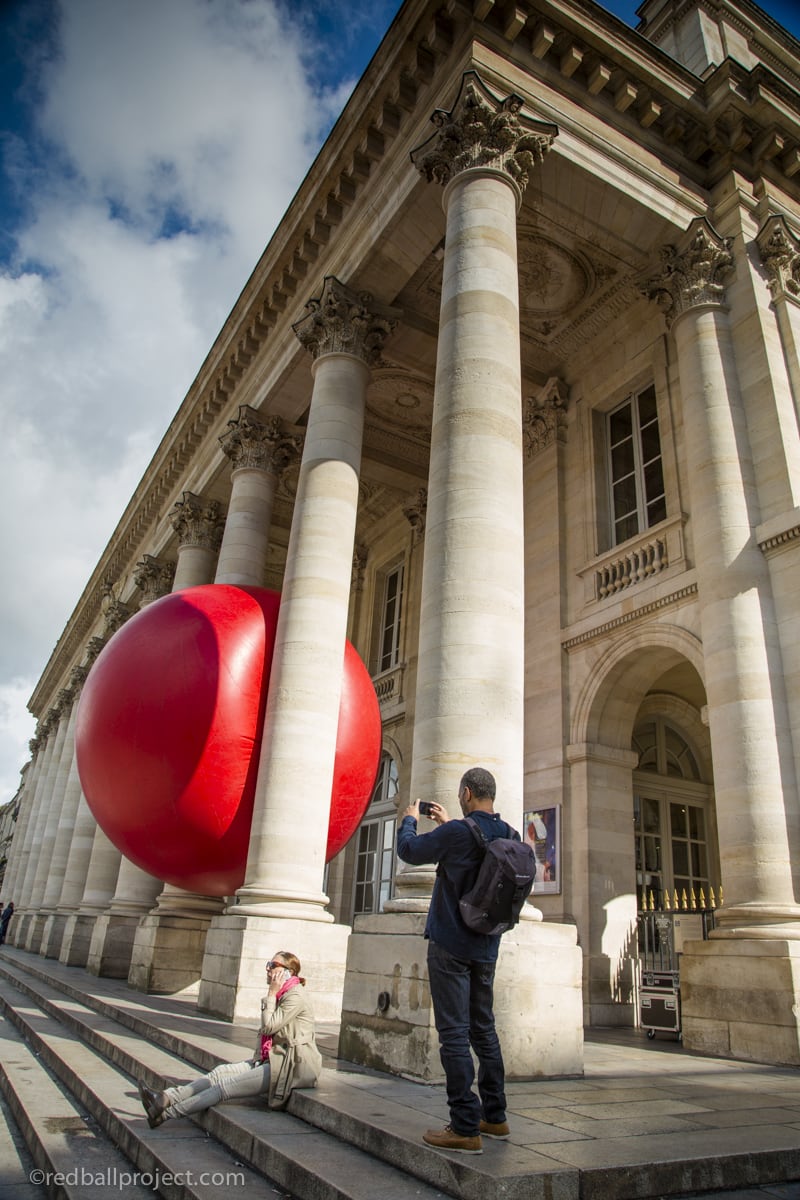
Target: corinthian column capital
[(260, 442), (780, 254), (115, 612), (342, 321), (483, 131), (415, 513), (197, 522), (153, 577), (544, 418), (694, 272)]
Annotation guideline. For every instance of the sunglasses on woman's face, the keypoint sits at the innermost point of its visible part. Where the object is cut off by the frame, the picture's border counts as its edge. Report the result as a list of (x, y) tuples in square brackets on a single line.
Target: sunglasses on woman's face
[(271, 965)]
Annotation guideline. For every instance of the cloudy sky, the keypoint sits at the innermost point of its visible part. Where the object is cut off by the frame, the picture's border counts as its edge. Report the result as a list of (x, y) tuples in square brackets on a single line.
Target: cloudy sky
[(148, 148)]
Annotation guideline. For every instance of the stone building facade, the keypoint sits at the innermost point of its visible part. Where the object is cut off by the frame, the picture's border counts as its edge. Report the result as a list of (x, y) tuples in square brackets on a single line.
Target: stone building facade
[(510, 400)]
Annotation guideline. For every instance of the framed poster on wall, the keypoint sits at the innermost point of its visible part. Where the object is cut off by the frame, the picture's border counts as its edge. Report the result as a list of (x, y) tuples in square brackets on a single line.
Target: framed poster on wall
[(542, 831)]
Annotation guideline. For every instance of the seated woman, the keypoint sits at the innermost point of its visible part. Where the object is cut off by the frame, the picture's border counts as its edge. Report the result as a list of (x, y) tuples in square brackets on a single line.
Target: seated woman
[(286, 1056)]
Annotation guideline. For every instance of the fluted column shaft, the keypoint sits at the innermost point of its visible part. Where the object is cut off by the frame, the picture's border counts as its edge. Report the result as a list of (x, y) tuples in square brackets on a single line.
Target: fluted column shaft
[(36, 870), (19, 841)]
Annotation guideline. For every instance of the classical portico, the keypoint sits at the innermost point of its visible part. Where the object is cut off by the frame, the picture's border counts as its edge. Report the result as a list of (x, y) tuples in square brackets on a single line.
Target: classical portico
[(548, 399)]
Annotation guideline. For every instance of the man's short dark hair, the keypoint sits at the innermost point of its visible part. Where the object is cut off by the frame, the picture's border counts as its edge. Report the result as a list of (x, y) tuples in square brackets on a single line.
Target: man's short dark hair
[(480, 782)]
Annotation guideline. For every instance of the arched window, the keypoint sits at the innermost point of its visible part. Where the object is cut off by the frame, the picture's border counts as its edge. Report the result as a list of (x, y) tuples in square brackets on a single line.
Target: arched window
[(671, 818)]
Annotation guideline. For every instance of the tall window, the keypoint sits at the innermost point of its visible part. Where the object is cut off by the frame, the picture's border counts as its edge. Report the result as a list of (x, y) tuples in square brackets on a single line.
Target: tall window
[(390, 619), (375, 853), (635, 469), (669, 816)]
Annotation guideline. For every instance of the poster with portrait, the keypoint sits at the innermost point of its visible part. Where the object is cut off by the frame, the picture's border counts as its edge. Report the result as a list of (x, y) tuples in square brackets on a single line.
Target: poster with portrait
[(542, 831)]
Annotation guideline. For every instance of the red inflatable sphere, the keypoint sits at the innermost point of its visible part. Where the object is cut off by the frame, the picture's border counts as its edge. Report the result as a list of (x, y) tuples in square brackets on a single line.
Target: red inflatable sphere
[(168, 734)]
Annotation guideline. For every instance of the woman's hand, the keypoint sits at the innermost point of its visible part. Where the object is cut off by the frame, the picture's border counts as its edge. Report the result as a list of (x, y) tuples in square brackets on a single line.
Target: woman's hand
[(276, 976)]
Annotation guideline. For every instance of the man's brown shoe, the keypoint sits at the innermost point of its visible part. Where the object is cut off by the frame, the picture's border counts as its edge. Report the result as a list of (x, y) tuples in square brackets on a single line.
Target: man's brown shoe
[(448, 1139), (500, 1130)]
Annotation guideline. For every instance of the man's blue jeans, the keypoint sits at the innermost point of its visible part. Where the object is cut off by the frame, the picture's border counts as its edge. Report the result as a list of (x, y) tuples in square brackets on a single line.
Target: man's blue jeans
[(462, 995)]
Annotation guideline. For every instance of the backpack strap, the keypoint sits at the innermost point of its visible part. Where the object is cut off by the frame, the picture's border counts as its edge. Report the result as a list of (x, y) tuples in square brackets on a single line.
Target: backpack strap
[(477, 833)]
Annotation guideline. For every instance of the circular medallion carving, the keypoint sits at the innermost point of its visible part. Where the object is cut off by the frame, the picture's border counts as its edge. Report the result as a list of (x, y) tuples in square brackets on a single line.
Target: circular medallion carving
[(552, 280)]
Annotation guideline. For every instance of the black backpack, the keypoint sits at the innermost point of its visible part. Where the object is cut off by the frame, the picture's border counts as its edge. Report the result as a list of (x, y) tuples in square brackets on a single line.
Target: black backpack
[(503, 884)]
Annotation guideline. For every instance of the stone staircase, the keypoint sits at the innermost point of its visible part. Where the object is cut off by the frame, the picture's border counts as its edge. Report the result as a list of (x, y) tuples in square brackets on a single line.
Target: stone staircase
[(71, 1053)]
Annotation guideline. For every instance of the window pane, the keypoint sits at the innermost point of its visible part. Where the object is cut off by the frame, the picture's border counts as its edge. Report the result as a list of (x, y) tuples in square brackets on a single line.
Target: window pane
[(653, 480), (625, 496), (657, 511), (620, 424), (652, 822), (622, 460), (677, 820), (680, 858), (648, 410), (651, 443), (699, 861), (697, 825), (625, 528)]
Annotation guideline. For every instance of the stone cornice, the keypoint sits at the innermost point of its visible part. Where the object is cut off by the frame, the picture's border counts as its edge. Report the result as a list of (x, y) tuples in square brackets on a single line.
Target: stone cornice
[(636, 614)]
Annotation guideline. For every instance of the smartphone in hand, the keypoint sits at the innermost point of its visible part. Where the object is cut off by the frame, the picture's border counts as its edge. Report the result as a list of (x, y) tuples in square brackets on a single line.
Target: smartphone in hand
[(425, 808)]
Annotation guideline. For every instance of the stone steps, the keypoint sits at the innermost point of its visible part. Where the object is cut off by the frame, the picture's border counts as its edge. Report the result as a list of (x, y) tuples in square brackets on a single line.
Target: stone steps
[(96, 1047)]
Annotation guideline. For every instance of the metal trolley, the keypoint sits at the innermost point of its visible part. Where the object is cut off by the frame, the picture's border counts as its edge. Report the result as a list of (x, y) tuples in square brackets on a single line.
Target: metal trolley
[(660, 1002), (662, 933)]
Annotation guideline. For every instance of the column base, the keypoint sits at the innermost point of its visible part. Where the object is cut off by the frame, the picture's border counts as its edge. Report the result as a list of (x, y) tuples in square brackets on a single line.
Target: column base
[(33, 938), (53, 935), (167, 953), (387, 1019), (18, 929), (740, 998), (239, 946), (77, 939), (112, 945)]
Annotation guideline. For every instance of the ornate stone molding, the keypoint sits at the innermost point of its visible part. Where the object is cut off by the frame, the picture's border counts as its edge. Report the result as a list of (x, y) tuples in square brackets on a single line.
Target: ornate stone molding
[(483, 131), (694, 272), (93, 648), (360, 556), (780, 254), (415, 513), (198, 522), (153, 577), (598, 631), (77, 678), (259, 442), (544, 419), (115, 612), (342, 321)]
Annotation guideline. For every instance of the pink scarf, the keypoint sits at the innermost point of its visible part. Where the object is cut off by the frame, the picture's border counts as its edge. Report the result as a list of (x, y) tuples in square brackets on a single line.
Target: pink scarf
[(266, 1038)]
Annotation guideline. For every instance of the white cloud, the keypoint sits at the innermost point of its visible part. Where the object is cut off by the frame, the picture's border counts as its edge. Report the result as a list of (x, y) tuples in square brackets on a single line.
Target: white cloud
[(170, 139)]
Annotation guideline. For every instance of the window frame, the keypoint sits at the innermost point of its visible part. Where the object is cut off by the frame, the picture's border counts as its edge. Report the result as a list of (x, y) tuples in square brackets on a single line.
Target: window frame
[(644, 503)]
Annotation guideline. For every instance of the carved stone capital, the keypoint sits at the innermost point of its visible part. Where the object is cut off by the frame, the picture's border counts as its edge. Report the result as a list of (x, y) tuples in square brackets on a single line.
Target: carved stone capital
[(780, 253), (35, 744), (153, 577), (93, 648), (259, 442), (694, 272), (544, 418), (77, 678), (483, 131), (115, 612), (415, 513), (360, 556), (198, 522), (342, 321)]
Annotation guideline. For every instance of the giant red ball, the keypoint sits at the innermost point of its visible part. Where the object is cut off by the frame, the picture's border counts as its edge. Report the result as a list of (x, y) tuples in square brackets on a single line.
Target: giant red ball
[(169, 728)]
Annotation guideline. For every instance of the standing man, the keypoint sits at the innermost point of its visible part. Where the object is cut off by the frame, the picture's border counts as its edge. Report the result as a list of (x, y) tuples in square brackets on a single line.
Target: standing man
[(461, 964)]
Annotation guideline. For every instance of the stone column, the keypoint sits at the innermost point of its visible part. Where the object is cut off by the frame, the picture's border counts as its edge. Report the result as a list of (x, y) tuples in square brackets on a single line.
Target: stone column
[(169, 943), (260, 448), (112, 933), (68, 790), (78, 908), (198, 524), (779, 249), (282, 895), (16, 852), (734, 982), (36, 871), (470, 681)]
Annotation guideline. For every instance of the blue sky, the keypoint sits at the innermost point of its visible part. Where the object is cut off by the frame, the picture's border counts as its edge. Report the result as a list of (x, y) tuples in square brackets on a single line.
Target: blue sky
[(148, 148)]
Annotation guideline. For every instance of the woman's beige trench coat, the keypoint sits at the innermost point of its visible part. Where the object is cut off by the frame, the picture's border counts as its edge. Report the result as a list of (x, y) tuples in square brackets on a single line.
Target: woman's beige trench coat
[(295, 1061)]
